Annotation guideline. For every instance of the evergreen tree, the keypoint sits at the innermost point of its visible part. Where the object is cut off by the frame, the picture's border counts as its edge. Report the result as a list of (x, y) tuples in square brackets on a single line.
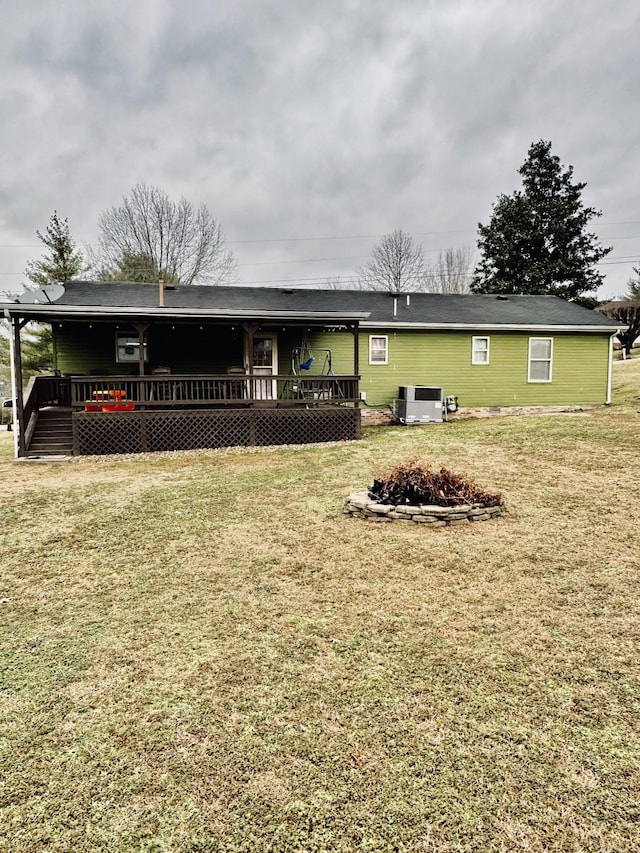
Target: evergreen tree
[(62, 260), (135, 267), (5, 372), (633, 287), (37, 352), (537, 240)]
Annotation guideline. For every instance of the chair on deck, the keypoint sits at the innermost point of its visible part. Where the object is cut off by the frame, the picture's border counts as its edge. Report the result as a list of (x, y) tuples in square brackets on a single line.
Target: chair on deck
[(162, 390)]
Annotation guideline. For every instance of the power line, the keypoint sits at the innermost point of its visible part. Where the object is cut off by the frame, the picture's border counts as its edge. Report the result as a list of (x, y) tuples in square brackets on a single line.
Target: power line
[(633, 222), (354, 278), (316, 238), (301, 261), (347, 237), (411, 234)]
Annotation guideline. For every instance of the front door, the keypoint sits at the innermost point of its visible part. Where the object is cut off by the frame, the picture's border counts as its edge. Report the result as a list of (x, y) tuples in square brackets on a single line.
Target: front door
[(264, 362)]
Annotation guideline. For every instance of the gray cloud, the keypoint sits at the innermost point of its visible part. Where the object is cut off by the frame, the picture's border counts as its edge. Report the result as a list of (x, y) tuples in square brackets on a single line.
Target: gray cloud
[(291, 119)]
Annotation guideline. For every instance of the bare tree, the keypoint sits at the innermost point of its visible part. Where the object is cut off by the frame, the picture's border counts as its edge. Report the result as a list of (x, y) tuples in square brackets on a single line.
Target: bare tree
[(183, 243), (626, 310), (337, 282), (451, 273), (396, 264), (627, 313)]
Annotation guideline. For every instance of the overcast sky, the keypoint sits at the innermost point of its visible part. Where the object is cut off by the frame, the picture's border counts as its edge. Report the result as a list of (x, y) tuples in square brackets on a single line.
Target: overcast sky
[(310, 129)]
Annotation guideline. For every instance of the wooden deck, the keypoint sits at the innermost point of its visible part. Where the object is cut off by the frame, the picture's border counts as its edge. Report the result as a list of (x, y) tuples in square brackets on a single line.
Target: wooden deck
[(134, 414), (215, 391)]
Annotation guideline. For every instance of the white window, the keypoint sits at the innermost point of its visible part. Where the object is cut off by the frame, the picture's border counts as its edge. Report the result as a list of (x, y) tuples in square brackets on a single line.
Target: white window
[(128, 348), (479, 350), (540, 359), (378, 349)]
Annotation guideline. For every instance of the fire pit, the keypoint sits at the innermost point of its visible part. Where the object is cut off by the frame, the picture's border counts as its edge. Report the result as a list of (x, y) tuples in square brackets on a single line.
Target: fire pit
[(360, 505), (412, 492)]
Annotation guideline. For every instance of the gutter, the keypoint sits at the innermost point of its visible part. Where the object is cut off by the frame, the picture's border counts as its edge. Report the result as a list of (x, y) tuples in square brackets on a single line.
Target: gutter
[(488, 327), (610, 370), (57, 312)]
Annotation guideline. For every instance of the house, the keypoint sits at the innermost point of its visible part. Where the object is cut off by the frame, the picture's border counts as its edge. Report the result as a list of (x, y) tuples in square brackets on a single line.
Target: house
[(155, 367)]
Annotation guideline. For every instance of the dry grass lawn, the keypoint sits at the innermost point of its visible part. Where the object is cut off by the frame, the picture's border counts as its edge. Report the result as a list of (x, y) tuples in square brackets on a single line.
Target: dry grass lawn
[(200, 653)]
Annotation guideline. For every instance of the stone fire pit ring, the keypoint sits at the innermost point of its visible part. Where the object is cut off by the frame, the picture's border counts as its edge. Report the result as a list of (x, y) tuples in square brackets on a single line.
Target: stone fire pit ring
[(360, 505)]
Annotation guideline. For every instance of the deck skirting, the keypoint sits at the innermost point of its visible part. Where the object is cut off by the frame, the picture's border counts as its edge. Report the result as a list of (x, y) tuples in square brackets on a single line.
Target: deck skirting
[(103, 433)]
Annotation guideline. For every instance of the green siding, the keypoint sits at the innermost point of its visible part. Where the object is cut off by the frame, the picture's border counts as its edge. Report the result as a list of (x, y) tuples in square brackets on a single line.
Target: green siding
[(288, 340), (580, 361), (86, 349), (580, 367), (341, 346)]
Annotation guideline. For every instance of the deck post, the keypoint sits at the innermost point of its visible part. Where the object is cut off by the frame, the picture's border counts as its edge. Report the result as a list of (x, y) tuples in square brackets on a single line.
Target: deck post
[(355, 331), (15, 354), (141, 329), (250, 329)]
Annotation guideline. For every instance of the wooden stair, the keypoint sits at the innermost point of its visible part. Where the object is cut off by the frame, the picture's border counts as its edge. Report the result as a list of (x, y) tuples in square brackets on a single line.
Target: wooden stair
[(53, 435)]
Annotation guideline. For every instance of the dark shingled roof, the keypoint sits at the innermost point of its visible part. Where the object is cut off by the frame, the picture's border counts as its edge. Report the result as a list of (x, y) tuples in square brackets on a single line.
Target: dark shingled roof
[(371, 308)]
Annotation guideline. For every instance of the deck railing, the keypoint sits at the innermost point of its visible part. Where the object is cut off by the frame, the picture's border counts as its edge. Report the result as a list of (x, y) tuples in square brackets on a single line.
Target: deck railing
[(216, 391), (41, 391), (45, 391)]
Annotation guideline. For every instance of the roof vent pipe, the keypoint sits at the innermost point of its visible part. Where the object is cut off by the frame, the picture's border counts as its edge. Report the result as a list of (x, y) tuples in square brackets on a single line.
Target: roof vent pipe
[(395, 306), (161, 293), (408, 300)]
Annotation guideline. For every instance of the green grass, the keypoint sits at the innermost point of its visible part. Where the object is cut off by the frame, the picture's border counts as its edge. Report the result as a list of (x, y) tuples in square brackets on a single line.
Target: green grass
[(201, 653)]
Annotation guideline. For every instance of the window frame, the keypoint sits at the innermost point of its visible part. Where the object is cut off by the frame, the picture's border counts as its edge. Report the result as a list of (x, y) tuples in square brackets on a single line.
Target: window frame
[(549, 360), (379, 362), (475, 351), (133, 340)]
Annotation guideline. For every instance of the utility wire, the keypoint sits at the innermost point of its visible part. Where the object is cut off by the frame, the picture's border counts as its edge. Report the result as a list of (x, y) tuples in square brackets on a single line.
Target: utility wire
[(347, 237)]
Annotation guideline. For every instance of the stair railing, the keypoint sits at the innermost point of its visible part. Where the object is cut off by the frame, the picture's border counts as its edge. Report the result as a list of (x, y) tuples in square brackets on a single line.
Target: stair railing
[(43, 391)]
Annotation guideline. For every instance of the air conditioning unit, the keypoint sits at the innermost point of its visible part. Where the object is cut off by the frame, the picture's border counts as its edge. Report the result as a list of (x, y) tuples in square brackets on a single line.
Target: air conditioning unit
[(418, 404)]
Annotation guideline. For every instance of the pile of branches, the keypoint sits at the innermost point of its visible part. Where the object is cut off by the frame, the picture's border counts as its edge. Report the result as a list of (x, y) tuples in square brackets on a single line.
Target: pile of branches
[(414, 483)]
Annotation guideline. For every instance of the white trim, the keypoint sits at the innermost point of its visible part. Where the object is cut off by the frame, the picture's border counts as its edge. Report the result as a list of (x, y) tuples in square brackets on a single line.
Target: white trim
[(607, 402), (14, 387), (262, 336), (548, 361), (386, 350), (261, 387), (475, 353), (141, 311), (489, 327)]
